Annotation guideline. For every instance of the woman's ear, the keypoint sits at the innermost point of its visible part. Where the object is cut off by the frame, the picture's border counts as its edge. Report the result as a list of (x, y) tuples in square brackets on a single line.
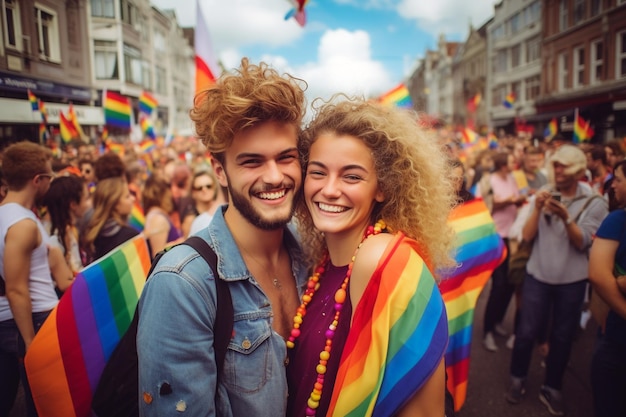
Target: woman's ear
[(380, 196)]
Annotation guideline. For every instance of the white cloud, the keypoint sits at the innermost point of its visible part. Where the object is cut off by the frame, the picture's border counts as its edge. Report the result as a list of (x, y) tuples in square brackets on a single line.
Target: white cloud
[(345, 65), (451, 17)]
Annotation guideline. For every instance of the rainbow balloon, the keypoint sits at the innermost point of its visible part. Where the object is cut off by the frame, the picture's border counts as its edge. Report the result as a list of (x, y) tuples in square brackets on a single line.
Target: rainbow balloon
[(66, 359)]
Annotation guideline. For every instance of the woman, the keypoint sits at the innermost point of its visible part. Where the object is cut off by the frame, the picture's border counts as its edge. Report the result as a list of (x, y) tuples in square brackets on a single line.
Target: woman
[(370, 169), (158, 206), (607, 272), (107, 229), (67, 200), (207, 197)]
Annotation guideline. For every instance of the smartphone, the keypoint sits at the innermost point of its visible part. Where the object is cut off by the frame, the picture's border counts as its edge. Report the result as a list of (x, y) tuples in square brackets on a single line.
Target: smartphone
[(556, 195)]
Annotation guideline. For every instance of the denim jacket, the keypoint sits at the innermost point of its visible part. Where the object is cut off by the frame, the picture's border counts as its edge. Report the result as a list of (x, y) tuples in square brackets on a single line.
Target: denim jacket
[(177, 370)]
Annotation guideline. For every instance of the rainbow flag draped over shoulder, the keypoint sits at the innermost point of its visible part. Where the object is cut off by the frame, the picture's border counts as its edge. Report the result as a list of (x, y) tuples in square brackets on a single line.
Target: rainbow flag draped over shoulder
[(397, 339), (479, 250), (399, 97), (67, 356)]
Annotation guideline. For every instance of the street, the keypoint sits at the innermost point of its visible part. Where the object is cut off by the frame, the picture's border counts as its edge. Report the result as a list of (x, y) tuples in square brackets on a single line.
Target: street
[(489, 375)]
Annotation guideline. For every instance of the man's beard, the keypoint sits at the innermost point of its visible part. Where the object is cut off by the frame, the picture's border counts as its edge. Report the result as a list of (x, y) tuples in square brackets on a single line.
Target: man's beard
[(244, 206)]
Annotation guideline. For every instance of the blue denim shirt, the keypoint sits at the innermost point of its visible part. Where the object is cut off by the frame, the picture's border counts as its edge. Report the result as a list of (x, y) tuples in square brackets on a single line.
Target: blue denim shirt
[(177, 370)]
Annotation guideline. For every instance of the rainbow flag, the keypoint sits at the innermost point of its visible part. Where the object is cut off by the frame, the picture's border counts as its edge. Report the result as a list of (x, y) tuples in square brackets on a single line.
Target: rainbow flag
[(521, 181), (207, 69), (147, 145), (117, 110), (67, 356), (137, 220), (551, 130), (43, 111), (397, 339), (298, 12), (469, 136), (44, 135), (473, 103), (479, 250), (509, 100), (146, 127), (71, 116), (68, 131), (493, 140), (399, 97), (583, 132), (34, 104), (147, 103)]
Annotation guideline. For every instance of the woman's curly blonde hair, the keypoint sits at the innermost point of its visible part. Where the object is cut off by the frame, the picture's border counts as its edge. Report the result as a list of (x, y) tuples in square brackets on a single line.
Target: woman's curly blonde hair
[(410, 166), (250, 95)]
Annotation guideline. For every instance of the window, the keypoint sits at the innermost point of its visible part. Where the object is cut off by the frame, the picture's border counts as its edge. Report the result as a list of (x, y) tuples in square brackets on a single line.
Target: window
[(532, 87), (105, 60), (596, 62), (12, 25), (500, 61), (596, 7), (515, 23), (161, 80), (620, 70), (146, 76), (579, 66), (103, 8), (498, 32), (515, 56), (579, 11), (563, 71), (132, 64), (159, 41), (498, 95), (563, 15), (128, 12), (46, 23), (516, 89), (533, 48)]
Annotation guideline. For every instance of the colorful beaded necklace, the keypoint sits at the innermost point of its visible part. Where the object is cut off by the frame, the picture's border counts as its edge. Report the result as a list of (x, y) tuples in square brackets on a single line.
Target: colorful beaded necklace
[(340, 297)]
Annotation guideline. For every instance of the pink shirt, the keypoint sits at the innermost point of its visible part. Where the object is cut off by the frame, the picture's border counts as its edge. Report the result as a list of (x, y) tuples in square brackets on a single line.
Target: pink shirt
[(502, 190)]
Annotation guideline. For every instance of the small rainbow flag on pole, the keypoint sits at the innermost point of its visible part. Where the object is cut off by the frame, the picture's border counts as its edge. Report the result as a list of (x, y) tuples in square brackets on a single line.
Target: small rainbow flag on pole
[(551, 130), (117, 110), (137, 220), (509, 100), (399, 97), (583, 132), (43, 111), (479, 250), (147, 103), (71, 116), (146, 127), (67, 356), (34, 104), (68, 131), (207, 69)]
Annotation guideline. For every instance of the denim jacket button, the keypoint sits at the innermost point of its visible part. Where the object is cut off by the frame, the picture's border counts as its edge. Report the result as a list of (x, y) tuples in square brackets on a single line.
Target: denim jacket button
[(246, 344)]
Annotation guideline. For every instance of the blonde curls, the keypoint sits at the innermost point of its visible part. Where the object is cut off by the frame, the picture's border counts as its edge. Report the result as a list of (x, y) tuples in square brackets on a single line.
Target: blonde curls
[(251, 95), (411, 169)]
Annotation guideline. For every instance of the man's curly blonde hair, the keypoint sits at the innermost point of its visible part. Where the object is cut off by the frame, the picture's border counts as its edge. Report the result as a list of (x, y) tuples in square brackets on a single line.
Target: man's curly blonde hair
[(244, 98), (410, 166)]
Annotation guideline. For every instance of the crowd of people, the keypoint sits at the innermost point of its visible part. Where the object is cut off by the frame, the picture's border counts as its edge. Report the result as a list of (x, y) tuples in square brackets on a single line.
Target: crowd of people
[(329, 234)]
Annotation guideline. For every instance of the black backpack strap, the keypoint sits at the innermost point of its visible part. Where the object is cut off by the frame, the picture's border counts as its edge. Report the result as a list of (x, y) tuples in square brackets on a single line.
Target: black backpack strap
[(224, 316)]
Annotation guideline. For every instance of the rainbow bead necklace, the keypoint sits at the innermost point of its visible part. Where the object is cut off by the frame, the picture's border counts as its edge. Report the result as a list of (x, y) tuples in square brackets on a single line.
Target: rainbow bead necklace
[(340, 297)]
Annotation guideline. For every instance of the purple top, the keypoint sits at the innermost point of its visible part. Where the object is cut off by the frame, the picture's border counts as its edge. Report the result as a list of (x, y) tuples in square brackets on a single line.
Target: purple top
[(305, 356)]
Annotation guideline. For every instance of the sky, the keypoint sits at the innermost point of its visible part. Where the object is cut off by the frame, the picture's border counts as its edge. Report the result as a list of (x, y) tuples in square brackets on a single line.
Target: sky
[(358, 47)]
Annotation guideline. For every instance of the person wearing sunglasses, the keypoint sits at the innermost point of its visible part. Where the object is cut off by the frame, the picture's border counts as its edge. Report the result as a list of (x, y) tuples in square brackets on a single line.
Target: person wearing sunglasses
[(207, 197)]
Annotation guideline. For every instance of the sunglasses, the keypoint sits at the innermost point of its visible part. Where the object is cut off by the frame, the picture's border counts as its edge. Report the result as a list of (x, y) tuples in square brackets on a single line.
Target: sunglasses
[(205, 186)]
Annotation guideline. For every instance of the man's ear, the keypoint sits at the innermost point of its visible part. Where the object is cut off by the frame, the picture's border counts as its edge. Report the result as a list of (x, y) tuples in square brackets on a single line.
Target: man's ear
[(220, 172)]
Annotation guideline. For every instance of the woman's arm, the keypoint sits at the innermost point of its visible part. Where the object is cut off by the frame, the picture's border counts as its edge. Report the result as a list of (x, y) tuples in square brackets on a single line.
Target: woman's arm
[(156, 230), (430, 400), (601, 263)]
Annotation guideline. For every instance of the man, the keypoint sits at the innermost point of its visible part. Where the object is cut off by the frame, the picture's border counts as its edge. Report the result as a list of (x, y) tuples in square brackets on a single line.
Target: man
[(249, 121), (560, 225), (532, 161), (25, 261), (597, 165)]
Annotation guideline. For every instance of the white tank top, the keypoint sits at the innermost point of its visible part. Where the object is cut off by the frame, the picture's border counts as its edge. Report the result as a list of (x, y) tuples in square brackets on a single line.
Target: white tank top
[(41, 286)]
